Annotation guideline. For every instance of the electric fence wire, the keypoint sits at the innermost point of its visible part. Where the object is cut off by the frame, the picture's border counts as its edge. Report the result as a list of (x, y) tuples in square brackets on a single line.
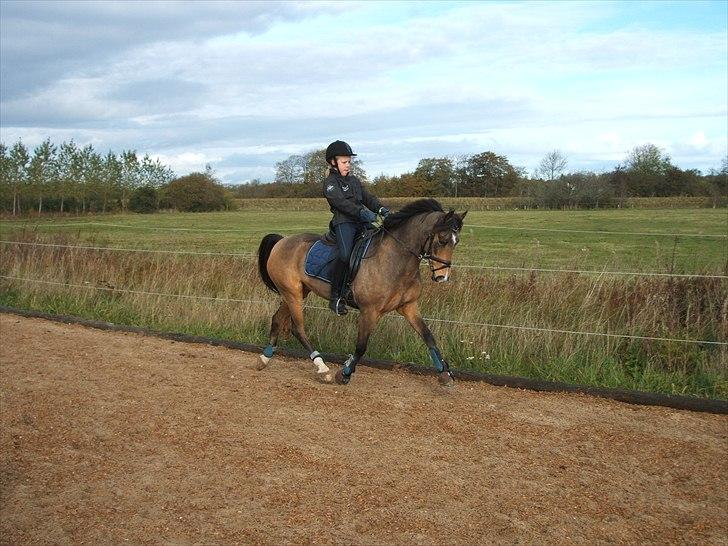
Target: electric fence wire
[(432, 319), (455, 265)]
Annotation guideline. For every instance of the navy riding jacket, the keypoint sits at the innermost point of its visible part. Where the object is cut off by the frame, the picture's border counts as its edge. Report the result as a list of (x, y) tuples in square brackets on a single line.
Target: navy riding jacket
[(348, 200)]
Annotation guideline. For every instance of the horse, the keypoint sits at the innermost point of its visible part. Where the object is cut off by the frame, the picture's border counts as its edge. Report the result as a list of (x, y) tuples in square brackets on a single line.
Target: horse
[(388, 280)]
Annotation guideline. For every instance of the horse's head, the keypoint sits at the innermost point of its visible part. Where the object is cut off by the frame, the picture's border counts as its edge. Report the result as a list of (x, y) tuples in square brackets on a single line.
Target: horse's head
[(441, 243), (436, 234)]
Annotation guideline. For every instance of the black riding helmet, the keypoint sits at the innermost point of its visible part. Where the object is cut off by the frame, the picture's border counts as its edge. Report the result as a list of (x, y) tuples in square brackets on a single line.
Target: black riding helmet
[(338, 147)]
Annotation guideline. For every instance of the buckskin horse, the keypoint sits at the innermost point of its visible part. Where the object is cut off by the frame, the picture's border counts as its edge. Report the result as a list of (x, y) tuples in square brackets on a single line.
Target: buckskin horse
[(388, 280)]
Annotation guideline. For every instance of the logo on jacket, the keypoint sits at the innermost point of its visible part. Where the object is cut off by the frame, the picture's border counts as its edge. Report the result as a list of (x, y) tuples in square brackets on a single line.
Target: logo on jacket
[(345, 188), (329, 187)]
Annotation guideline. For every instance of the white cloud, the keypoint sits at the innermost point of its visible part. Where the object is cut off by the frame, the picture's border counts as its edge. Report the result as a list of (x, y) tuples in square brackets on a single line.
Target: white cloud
[(698, 140), (187, 161), (252, 80)]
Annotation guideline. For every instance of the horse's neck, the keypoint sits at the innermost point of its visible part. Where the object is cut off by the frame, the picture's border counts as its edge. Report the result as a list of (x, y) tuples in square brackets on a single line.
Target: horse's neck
[(411, 239), (417, 230)]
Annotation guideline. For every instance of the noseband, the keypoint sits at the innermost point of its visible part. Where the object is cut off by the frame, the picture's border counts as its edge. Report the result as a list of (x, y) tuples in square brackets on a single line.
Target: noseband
[(430, 257)]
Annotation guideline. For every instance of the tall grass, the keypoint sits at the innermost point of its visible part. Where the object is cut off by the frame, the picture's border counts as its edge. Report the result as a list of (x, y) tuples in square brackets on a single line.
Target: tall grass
[(695, 309)]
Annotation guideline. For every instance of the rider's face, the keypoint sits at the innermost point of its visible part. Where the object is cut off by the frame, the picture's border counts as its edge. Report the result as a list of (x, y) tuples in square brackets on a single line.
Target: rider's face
[(343, 163)]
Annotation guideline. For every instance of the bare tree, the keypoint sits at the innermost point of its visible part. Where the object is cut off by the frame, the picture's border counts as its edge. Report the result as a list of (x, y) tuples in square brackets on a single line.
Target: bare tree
[(552, 165), (290, 170), (315, 167)]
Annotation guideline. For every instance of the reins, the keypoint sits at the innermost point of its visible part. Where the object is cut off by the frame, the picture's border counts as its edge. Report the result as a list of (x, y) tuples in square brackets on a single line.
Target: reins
[(422, 255)]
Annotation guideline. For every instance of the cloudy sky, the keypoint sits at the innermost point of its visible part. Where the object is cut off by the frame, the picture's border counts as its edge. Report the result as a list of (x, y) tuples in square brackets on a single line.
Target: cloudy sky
[(242, 85)]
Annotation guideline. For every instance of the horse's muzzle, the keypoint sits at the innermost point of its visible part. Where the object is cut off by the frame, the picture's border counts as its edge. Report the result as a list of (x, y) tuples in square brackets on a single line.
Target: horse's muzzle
[(440, 278)]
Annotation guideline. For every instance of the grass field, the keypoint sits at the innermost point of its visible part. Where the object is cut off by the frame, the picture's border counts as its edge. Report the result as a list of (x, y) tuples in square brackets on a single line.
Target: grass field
[(678, 241)]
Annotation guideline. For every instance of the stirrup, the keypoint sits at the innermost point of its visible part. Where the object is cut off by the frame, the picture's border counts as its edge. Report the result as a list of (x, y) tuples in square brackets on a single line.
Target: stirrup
[(338, 306)]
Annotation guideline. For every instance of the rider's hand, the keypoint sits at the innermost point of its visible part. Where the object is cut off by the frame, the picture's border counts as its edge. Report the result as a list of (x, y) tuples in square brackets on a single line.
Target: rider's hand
[(378, 222), (383, 211)]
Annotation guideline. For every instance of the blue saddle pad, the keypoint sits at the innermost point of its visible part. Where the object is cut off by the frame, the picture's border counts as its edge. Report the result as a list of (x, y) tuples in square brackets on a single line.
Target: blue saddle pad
[(320, 260)]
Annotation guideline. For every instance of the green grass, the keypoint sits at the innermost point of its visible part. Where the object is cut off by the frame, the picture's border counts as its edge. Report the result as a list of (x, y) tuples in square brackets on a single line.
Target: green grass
[(492, 238), (647, 306)]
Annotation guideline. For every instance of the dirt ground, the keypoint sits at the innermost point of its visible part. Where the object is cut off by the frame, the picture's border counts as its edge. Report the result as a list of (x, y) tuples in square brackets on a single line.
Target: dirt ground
[(121, 438)]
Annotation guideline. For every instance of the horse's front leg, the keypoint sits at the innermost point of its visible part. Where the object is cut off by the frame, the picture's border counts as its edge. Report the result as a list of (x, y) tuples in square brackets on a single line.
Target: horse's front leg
[(367, 322), (411, 312)]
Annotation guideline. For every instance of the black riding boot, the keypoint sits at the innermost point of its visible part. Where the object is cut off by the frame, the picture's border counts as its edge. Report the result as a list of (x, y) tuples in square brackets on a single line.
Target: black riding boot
[(338, 276)]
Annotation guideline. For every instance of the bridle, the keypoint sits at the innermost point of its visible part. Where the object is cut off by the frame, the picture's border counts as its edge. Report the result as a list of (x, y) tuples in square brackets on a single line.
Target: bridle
[(430, 257), (423, 254)]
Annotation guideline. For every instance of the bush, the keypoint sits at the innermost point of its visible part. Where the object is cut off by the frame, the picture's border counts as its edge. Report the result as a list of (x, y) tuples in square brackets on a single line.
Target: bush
[(196, 192), (144, 200), (577, 190)]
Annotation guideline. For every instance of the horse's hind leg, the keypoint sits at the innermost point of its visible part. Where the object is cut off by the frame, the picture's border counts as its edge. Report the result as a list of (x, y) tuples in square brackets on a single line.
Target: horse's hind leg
[(280, 323), (295, 305)]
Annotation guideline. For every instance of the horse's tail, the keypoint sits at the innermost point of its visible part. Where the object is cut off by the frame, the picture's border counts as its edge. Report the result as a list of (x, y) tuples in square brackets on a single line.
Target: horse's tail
[(266, 245)]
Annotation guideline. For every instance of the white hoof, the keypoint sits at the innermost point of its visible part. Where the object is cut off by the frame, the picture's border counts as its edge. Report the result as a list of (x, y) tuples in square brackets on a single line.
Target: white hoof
[(325, 377), (321, 367), (263, 362)]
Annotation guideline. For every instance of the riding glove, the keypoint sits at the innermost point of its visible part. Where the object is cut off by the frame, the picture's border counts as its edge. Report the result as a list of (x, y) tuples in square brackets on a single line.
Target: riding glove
[(378, 222)]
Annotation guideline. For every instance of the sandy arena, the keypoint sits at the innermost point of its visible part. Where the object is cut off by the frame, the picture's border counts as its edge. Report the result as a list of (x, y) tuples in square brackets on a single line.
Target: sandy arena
[(120, 438)]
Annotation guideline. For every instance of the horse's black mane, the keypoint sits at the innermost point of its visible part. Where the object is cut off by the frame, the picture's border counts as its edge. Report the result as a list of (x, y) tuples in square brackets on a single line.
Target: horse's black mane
[(414, 208)]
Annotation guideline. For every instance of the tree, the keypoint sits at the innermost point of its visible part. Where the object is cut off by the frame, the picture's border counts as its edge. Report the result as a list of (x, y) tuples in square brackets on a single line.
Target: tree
[(154, 174), (648, 158), (69, 170), (17, 172), (438, 175), (488, 175), (4, 172), (581, 189), (460, 173), (196, 192), (88, 166), (647, 166), (111, 169), (290, 170), (357, 169), (144, 199), (552, 165), (311, 169), (679, 182), (42, 171), (130, 175), (315, 168)]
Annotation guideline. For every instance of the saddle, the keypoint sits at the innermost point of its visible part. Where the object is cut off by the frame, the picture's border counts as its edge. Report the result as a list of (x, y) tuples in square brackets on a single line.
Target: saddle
[(322, 256)]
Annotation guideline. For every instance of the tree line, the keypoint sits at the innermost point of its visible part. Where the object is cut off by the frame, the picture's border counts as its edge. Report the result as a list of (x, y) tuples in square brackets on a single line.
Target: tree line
[(647, 171), (71, 178)]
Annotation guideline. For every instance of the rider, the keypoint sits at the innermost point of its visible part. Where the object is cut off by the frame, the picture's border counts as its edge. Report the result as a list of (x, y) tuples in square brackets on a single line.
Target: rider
[(354, 208)]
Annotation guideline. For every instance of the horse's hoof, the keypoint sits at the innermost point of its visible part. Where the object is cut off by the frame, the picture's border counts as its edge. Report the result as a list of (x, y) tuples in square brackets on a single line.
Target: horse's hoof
[(342, 379), (262, 362), (445, 379), (326, 377)]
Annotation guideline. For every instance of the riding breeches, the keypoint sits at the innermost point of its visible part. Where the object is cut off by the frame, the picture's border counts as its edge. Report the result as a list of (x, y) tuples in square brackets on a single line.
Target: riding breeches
[(345, 235)]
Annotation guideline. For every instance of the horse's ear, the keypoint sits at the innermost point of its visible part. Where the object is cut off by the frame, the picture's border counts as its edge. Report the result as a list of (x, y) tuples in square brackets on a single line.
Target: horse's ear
[(462, 216), (448, 215)]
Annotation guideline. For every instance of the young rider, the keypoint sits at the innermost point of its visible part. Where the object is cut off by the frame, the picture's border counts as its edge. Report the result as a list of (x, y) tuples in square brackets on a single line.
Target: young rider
[(354, 208)]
